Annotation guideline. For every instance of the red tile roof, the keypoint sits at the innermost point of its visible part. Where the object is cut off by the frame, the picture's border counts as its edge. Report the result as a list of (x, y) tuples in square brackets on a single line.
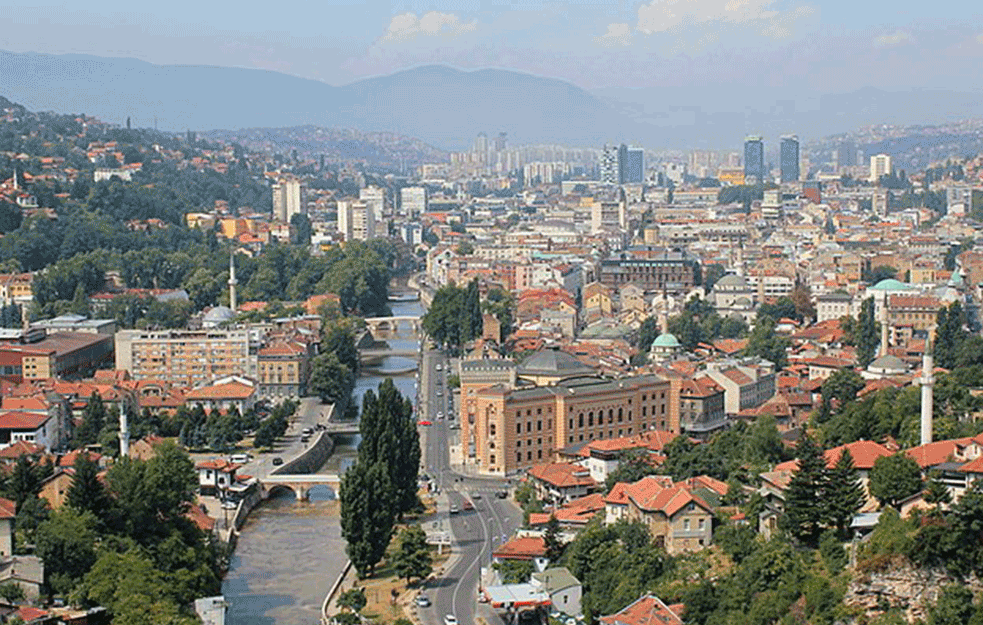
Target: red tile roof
[(228, 390), (938, 452), (562, 475), (20, 448), (8, 509), (647, 610), (576, 512), (522, 548), (17, 420)]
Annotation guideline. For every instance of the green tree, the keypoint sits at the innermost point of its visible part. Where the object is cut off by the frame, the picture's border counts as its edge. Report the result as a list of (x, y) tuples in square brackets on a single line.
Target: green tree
[(844, 494), (352, 599), (552, 540), (894, 478), (11, 592), (949, 335), (801, 297), (367, 514), (66, 545), (390, 438), (765, 343), (805, 511), (330, 379), (412, 557), (867, 333), (881, 272), (936, 492), (514, 571), (954, 607), (838, 389), (133, 589), (93, 422), (832, 552), (86, 493)]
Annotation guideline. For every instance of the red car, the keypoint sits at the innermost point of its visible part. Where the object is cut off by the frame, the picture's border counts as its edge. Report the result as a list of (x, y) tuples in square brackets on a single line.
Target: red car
[(426, 422)]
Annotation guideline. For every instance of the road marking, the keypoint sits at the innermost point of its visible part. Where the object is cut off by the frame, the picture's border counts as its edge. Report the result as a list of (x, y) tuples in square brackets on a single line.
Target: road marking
[(480, 558)]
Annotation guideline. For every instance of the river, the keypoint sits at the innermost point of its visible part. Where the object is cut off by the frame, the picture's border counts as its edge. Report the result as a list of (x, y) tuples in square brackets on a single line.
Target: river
[(290, 553)]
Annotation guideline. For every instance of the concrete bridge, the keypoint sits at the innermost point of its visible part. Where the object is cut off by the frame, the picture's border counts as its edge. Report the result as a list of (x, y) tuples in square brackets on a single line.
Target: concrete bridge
[(300, 485), (393, 325)]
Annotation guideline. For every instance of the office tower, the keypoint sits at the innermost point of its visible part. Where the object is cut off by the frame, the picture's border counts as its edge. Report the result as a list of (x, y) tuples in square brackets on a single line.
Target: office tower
[(789, 158), (413, 201), (481, 143), (634, 170), (356, 220), (376, 196), (609, 165), (288, 199), (880, 165), (754, 160), (501, 141), (846, 154)]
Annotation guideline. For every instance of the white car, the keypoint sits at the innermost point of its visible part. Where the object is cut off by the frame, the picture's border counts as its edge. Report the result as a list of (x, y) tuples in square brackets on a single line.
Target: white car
[(440, 415), (450, 619)]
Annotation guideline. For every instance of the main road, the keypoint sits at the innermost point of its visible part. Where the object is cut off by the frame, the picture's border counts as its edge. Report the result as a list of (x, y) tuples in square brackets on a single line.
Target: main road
[(476, 533), (310, 413)]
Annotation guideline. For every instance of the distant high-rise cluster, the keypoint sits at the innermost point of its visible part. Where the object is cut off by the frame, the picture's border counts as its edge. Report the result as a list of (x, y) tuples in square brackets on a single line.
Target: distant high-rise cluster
[(754, 160), (789, 158), (622, 164), (288, 199)]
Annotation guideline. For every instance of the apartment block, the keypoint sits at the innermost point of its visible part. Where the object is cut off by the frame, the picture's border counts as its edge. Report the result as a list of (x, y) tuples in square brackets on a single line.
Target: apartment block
[(187, 357)]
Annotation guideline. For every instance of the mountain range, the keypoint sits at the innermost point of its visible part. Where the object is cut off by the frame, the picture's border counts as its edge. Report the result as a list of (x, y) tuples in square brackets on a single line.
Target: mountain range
[(447, 107)]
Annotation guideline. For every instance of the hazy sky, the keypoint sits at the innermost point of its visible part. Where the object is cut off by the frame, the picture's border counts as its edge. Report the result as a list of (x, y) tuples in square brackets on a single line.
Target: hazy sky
[(819, 45)]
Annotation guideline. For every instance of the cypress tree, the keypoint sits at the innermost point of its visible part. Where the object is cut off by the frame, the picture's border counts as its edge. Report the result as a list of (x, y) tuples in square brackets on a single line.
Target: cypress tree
[(844, 495), (367, 514), (805, 511), (867, 338)]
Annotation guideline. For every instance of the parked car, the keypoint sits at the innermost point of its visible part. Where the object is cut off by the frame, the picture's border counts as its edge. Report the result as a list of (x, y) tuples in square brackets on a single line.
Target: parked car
[(423, 601), (455, 509), (450, 619), (277, 461), (502, 494), (425, 422)]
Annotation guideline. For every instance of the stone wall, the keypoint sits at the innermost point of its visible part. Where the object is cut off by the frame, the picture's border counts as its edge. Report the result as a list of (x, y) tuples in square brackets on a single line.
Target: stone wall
[(900, 585), (311, 459)]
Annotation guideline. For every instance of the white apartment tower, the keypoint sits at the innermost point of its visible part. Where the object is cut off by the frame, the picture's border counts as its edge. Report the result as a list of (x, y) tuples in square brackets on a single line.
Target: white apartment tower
[(880, 165), (413, 201), (375, 196), (288, 199), (356, 220)]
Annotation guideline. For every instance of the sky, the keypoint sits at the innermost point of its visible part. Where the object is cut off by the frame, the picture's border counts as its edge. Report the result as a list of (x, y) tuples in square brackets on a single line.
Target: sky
[(816, 45)]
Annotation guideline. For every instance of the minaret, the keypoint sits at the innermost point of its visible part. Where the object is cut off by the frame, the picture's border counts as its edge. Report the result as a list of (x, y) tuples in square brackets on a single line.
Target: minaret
[(124, 434), (232, 281), (927, 382), (884, 328)]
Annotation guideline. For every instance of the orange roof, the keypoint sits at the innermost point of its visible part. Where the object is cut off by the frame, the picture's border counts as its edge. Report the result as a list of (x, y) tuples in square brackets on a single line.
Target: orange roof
[(16, 420), (864, 453), (20, 448), (69, 459), (522, 548), (204, 522), (228, 390), (647, 610), (8, 509), (578, 511), (218, 464), (562, 475), (938, 452)]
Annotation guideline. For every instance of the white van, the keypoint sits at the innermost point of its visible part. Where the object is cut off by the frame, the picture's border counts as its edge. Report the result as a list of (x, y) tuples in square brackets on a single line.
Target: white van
[(240, 458)]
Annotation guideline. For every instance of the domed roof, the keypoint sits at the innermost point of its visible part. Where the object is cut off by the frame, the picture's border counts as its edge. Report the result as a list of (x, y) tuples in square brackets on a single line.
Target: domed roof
[(555, 362), (732, 280), (218, 315), (890, 284), (888, 363), (666, 341)]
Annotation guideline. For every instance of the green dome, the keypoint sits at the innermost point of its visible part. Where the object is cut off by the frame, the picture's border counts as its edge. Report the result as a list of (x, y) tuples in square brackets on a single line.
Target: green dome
[(666, 340), (890, 284)]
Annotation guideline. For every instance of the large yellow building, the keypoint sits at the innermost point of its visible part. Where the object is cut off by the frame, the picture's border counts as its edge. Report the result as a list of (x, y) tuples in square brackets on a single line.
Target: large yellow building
[(515, 417)]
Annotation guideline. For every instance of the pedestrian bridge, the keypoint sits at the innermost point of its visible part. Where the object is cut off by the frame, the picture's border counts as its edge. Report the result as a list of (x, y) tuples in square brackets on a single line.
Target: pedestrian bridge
[(300, 485)]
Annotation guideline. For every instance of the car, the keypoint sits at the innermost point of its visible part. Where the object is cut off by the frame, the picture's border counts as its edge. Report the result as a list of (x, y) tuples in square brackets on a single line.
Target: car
[(307, 431), (502, 494), (305, 439), (439, 367), (475, 495), (277, 461), (450, 619), (425, 422), (455, 510), (440, 393), (467, 506), (423, 601), (440, 415)]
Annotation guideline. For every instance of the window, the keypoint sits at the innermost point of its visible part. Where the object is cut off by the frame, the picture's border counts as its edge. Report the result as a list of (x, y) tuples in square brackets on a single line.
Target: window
[(571, 424), (539, 425), (518, 456), (528, 426), (518, 428), (528, 455), (686, 525), (702, 523), (518, 443), (581, 420), (491, 459)]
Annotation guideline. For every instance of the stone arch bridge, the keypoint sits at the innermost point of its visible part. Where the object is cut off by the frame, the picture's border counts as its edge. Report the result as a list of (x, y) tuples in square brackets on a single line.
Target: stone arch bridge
[(393, 325), (300, 485)]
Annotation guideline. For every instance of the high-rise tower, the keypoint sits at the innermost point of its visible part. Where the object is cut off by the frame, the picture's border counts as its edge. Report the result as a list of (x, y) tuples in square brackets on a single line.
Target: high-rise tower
[(754, 160), (789, 158)]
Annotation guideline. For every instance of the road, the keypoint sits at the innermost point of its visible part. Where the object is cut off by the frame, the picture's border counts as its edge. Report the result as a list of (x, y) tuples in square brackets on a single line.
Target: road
[(476, 534), (310, 412)]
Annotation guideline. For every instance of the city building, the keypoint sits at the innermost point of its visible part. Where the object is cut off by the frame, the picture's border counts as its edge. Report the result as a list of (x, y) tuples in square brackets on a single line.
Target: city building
[(284, 368), (507, 427), (57, 355), (187, 357), (376, 196), (754, 160), (288, 199), (634, 168), (789, 159), (610, 173), (880, 165), (356, 220), (652, 269), (413, 201)]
